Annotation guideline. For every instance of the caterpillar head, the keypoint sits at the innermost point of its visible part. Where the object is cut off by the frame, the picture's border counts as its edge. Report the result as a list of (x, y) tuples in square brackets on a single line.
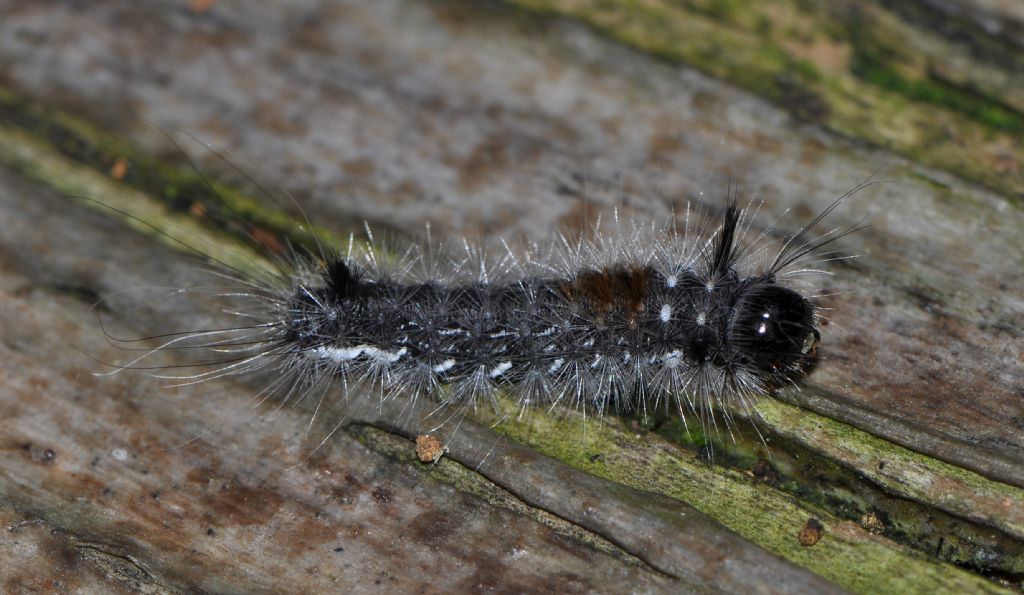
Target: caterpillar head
[(771, 329)]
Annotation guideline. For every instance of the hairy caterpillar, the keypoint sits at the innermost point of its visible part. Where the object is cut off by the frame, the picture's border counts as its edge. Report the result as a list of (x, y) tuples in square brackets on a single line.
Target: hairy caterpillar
[(698, 320)]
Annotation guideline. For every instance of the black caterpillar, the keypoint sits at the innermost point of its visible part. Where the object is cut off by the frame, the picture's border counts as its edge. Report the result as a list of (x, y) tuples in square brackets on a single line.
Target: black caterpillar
[(625, 322), (686, 323), (602, 336)]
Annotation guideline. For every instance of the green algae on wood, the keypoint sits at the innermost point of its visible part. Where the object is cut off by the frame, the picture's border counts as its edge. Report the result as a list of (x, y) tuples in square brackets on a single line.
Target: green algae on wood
[(933, 506), (180, 189), (854, 68), (36, 160), (628, 457), (903, 472), (848, 555)]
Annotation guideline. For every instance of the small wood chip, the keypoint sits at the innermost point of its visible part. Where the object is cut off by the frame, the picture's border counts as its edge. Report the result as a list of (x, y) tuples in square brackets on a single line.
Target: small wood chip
[(119, 169), (811, 532), (872, 523), (428, 448)]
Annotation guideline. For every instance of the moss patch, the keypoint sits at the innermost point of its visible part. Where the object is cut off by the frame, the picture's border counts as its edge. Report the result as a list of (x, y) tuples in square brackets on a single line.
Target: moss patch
[(855, 68), (848, 554)]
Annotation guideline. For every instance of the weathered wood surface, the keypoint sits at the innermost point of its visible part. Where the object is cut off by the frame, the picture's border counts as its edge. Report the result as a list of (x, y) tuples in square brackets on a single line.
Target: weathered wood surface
[(96, 479), (481, 120)]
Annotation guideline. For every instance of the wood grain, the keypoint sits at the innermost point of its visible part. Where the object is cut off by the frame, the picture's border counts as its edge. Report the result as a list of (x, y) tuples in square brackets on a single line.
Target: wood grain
[(484, 120)]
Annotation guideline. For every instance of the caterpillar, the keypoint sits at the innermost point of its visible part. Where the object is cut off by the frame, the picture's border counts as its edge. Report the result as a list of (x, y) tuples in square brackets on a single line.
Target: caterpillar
[(637, 318)]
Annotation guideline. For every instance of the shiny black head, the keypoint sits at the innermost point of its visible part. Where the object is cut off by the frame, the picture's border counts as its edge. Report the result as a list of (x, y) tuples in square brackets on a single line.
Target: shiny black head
[(772, 330)]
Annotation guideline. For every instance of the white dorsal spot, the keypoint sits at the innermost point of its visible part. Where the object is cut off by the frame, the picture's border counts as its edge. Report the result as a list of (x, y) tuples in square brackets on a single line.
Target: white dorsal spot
[(666, 313), (672, 359)]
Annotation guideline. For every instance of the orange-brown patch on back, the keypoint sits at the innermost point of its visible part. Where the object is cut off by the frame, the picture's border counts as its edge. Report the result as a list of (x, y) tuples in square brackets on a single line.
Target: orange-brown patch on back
[(619, 289)]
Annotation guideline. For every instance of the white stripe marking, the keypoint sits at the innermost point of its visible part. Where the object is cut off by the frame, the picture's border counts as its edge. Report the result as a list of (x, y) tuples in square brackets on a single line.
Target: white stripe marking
[(444, 366), (339, 354), (500, 369), (347, 354)]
